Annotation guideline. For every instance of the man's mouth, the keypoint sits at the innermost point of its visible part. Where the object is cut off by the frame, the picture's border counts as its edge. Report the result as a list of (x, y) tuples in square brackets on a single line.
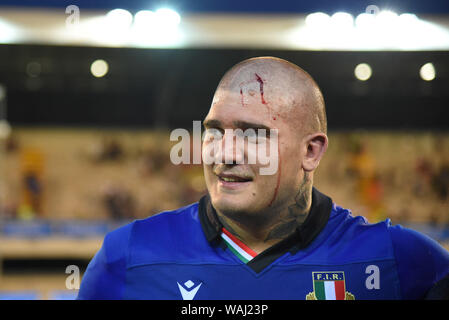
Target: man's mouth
[(233, 178)]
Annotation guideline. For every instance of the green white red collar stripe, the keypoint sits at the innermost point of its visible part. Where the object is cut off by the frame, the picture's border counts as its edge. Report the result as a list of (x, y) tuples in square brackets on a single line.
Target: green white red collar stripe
[(242, 251)]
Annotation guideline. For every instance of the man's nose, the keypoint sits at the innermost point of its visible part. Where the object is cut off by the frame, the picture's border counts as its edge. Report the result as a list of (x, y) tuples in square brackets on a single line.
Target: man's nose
[(231, 149)]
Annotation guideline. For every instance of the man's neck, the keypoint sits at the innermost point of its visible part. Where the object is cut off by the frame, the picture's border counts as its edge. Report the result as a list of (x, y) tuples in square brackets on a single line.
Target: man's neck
[(260, 236)]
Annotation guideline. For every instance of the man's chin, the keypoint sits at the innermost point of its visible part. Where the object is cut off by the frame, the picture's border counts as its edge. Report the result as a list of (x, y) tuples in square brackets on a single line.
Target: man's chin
[(232, 204)]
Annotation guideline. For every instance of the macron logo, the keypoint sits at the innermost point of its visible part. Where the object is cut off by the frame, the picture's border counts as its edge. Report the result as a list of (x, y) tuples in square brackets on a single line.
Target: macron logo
[(189, 293)]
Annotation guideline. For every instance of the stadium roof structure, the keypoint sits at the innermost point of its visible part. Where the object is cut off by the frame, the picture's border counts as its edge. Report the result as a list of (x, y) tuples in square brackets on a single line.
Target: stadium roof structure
[(371, 28), (247, 6)]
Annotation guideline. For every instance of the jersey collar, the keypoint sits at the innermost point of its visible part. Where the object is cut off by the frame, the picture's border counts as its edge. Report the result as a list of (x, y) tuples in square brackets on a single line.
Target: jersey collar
[(303, 236)]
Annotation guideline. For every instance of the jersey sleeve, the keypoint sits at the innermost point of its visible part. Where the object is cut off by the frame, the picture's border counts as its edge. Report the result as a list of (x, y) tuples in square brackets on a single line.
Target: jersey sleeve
[(421, 261), (104, 278)]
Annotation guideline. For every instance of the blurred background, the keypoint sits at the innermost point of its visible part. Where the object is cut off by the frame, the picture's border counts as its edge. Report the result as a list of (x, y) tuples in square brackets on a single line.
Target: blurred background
[(91, 89)]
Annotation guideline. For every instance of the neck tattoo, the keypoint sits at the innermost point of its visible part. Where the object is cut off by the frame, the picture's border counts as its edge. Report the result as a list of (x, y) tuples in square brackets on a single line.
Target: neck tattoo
[(297, 212)]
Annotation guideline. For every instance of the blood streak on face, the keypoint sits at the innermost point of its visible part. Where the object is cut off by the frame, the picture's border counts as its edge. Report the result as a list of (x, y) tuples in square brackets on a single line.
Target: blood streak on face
[(259, 79), (278, 182), (242, 98)]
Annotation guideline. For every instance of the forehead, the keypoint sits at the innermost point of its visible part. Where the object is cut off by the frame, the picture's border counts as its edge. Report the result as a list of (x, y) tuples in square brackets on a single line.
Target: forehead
[(255, 100), (230, 107)]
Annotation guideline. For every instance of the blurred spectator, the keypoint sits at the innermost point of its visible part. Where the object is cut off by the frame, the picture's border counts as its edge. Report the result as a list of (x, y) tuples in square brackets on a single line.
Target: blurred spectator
[(373, 198), (403, 215), (11, 144), (375, 174), (112, 150), (424, 171), (361, 164), (119, 203), (8, 210), (440, 182), (434, 217), (369, 186), (153, 160), (32, 185), (108, 149)]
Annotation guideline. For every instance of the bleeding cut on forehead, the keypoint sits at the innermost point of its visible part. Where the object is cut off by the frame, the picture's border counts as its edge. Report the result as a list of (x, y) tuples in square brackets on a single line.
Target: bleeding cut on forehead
[(266, 93)]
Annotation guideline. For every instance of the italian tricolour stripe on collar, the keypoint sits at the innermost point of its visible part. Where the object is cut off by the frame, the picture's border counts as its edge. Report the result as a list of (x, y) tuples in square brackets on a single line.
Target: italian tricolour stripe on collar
[(242, 251)]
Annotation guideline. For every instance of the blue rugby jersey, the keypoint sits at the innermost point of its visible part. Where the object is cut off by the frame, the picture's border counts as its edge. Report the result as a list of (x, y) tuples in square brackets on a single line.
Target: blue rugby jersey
[(333, 255)]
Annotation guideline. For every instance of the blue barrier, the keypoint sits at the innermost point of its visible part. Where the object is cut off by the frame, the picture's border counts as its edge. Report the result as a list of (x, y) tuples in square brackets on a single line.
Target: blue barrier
[(81, 228), (65, 228), (63, 295), (19, 295), (26, 228)]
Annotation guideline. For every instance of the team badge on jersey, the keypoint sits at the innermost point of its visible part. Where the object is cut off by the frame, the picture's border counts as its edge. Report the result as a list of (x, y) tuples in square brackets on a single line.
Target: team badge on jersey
[(329, 285)]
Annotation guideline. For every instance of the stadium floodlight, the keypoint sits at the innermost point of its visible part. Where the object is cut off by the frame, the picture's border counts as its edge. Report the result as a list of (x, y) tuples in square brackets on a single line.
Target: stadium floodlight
[(427, 72), (387, 20), (167, 17), (120, 18), (365, 21), (156, 28), (144, 19), (342, 20), (8, 32), (363, 71), (408, 18), (99, 68), (317, 20)]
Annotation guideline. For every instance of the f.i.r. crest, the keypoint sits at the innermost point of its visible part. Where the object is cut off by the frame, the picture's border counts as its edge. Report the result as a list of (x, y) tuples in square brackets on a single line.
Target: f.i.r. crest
[(329, 285)]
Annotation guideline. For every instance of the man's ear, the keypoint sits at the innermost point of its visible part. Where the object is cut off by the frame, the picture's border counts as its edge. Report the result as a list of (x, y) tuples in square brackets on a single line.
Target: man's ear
[(316, 147)]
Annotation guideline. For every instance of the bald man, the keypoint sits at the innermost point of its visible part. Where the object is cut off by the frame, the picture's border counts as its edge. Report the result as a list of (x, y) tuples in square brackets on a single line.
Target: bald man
[(259, 235)]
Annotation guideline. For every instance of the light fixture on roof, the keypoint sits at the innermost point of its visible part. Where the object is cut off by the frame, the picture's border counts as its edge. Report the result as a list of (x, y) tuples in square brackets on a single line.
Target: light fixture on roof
[(119, 18), (408, 18), (167, 17), (8, 32), (365, 21), (317, 20), (144, 19), (156, 28), (387, 20), (363, 71), (99, 68), (427, 72), (342, 20)]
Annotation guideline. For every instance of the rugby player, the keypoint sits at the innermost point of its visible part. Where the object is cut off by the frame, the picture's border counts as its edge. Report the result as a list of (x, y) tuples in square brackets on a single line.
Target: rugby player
[(265, 236)]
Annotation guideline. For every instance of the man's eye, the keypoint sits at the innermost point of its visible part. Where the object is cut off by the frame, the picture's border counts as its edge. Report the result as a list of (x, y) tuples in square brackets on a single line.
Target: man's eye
[(251, 133)]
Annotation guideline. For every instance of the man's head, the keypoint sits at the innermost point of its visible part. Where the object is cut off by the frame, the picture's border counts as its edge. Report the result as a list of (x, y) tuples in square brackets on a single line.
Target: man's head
[(265, 93)]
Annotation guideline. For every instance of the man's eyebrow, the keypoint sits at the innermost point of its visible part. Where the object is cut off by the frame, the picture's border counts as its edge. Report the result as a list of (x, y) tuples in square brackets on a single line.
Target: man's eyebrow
[(212, 123), (250, 125)]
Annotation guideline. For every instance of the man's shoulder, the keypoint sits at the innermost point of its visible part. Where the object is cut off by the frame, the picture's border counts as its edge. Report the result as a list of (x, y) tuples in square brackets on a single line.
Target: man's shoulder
[(169, 217), (383, 238), (156, 223), (358, 226), (347, 221), (397, 234), (352, 238), (165, 237)]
